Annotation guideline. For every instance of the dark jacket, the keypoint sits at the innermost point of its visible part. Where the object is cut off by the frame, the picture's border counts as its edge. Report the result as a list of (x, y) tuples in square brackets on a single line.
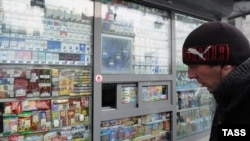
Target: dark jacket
[(233, 99)]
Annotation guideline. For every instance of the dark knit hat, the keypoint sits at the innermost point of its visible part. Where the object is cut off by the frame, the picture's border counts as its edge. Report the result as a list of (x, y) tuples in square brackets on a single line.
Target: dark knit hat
[(215, 43)]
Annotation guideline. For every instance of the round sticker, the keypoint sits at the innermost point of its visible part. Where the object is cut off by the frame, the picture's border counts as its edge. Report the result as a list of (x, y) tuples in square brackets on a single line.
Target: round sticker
[(98, 78)]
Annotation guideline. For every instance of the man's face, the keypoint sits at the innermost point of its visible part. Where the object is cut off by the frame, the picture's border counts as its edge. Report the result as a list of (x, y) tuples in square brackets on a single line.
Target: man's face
[(207, 76)]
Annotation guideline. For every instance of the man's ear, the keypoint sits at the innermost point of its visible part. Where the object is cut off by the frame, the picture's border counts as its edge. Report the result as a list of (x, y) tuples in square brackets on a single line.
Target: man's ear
[(227, 68)]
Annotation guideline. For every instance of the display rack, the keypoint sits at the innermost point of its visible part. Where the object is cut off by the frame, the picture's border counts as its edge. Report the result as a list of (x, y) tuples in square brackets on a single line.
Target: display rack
[(46, 73), (194, 113), (146, 127)]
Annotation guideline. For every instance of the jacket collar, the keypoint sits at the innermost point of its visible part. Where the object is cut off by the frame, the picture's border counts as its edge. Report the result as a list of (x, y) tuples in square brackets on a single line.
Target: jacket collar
[(237, 76)]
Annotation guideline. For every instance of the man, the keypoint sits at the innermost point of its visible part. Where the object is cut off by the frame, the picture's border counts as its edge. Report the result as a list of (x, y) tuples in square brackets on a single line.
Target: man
[(217, 55)]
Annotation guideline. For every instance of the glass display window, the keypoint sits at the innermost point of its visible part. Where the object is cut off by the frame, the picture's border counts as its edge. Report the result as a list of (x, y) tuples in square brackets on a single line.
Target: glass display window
[(117, 96), (193, 102), (46, 32), (128, 94), (116, 54), (155, 93), (46, 74), (145, 36), (184, 25)]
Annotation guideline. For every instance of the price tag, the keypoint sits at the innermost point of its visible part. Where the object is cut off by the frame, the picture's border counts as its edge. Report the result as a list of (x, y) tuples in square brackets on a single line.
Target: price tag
[(56, 123), (54, 93), (70, 63), (81, 117)]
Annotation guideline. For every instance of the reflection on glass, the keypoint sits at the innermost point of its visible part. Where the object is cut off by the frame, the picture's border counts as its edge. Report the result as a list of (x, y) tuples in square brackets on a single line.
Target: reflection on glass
[(184, 25), (116, 54)]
